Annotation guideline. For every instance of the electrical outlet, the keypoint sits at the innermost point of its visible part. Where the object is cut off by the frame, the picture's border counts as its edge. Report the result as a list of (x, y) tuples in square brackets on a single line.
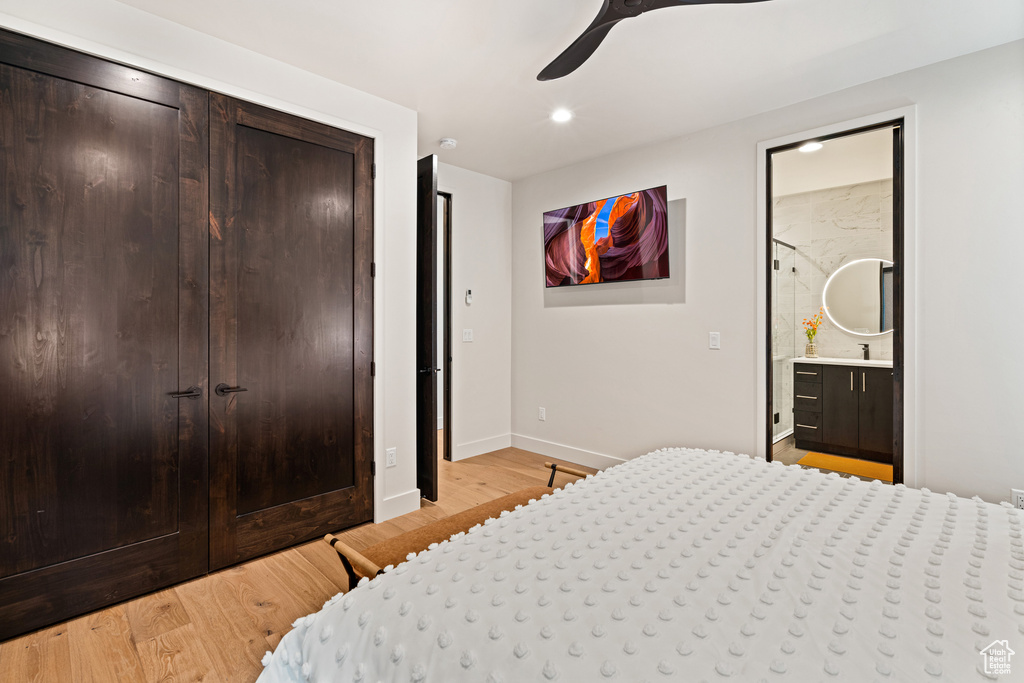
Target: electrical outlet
[(542, 414), (1018, 499), (467, 335), (390, 457), (715, 340)]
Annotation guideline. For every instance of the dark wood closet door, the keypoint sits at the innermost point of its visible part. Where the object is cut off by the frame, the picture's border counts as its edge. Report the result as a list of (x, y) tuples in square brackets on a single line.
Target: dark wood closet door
[(291, 330), (103, 290)]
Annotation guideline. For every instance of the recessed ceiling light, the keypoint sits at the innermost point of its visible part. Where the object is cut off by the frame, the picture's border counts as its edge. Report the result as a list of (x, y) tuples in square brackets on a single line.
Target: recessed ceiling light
[(561, 115), (810, 147)]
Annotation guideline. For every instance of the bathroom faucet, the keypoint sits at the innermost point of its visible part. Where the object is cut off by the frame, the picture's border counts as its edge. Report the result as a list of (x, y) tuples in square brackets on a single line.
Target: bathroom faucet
[(866, 352)]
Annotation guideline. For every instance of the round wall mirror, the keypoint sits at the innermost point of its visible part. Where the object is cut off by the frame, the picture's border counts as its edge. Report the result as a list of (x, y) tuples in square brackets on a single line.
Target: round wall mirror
[(858, 297)]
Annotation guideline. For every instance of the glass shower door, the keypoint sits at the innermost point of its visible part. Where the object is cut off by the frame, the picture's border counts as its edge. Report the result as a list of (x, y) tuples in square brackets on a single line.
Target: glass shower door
[(783, 337)]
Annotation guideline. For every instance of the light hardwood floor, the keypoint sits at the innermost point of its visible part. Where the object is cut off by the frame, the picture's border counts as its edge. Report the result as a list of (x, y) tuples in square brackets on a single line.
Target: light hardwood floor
[(218, 627)]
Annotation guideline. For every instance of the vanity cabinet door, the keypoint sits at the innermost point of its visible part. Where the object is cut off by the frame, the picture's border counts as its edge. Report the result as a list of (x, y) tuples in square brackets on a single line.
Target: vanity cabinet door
[(875, 409), (839, 405)]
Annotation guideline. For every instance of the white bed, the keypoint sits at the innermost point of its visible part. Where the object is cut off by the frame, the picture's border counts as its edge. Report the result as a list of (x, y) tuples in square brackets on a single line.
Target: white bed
[(688, 565)]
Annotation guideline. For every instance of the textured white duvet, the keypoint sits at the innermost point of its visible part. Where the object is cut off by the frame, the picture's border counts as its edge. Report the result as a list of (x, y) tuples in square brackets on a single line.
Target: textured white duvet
[(688, 565)]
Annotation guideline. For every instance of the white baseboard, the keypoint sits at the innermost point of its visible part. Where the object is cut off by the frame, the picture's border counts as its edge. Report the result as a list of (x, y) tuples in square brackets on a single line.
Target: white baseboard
[(396, 506), (556, 450), (473, 448)]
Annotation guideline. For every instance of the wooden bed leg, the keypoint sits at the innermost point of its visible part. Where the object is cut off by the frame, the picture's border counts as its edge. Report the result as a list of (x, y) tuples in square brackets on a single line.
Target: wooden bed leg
[(562, 468), (352, 559)]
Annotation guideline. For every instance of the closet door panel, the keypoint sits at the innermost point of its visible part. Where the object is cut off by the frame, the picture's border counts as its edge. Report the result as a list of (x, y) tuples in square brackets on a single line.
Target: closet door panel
[(91, 325), (102, 317), (290, 275), (294, 318)]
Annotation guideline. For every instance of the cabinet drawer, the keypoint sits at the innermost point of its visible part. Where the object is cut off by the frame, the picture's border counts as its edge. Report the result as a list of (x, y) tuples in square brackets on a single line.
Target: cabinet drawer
[(807, 425), (807, 397), (803, 372)]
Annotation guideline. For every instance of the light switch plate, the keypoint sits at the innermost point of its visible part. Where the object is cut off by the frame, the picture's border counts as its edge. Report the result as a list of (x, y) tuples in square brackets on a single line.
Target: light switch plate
[(715, 340), (542, 414), (467, 335)]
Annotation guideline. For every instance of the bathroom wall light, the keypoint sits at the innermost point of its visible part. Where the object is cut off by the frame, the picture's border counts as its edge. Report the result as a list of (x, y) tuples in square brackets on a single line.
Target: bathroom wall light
[(810, 147), (561, 115)]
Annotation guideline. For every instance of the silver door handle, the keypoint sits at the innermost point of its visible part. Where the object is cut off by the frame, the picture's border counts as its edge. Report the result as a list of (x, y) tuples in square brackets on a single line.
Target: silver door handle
[(801, 372), (813, 398), (806, 426), (863, 381), (851, 380)]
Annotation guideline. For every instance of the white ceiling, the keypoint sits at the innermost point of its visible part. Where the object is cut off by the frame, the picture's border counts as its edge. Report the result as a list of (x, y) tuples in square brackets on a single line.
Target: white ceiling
[(469, 66)]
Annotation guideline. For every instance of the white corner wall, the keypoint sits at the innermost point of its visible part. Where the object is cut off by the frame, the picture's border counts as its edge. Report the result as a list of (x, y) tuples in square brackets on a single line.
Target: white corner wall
[(121, 33), (482, 262), (621, 379)]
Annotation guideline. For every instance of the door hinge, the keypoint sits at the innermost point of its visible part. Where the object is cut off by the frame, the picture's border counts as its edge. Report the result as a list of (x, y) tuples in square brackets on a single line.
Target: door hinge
[(373, 468), (373, 269), (373, 171), (373, 368), (777, 418), (776, 264)]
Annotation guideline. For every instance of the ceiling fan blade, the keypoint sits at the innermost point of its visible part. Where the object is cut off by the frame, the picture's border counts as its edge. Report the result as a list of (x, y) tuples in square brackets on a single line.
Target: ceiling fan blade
[(612, 12), (577, 53), (661, 4)]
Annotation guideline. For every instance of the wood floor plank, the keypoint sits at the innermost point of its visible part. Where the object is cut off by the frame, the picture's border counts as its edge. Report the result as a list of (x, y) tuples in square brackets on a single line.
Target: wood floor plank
[(177, 656), (234, 641), (103, 650), (302, 579), (365, 536), (156, 614), (38, 657), (323, 557), (218, 627), (301, 590), (266, 600)]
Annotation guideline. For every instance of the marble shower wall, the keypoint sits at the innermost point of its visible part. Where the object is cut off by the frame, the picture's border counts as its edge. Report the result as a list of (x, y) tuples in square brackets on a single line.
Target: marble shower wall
[(830, 228)]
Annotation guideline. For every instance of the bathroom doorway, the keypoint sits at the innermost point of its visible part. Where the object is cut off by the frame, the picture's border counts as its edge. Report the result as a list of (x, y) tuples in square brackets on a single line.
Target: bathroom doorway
[(834, 301)]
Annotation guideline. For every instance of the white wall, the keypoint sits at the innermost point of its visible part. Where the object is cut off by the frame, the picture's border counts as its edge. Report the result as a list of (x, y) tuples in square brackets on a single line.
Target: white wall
[(119, 32), (482, 262), (619, 380)]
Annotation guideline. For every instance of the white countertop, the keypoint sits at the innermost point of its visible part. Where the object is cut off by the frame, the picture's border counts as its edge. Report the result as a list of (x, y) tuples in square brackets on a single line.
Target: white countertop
[(846, 361)]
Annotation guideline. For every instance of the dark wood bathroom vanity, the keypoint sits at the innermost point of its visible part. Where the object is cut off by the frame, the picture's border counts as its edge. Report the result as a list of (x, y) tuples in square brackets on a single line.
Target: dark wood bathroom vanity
[(844, 409)]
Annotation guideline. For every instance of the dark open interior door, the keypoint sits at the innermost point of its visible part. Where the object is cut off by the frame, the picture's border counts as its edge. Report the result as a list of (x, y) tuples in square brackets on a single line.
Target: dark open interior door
[(426, 327)]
